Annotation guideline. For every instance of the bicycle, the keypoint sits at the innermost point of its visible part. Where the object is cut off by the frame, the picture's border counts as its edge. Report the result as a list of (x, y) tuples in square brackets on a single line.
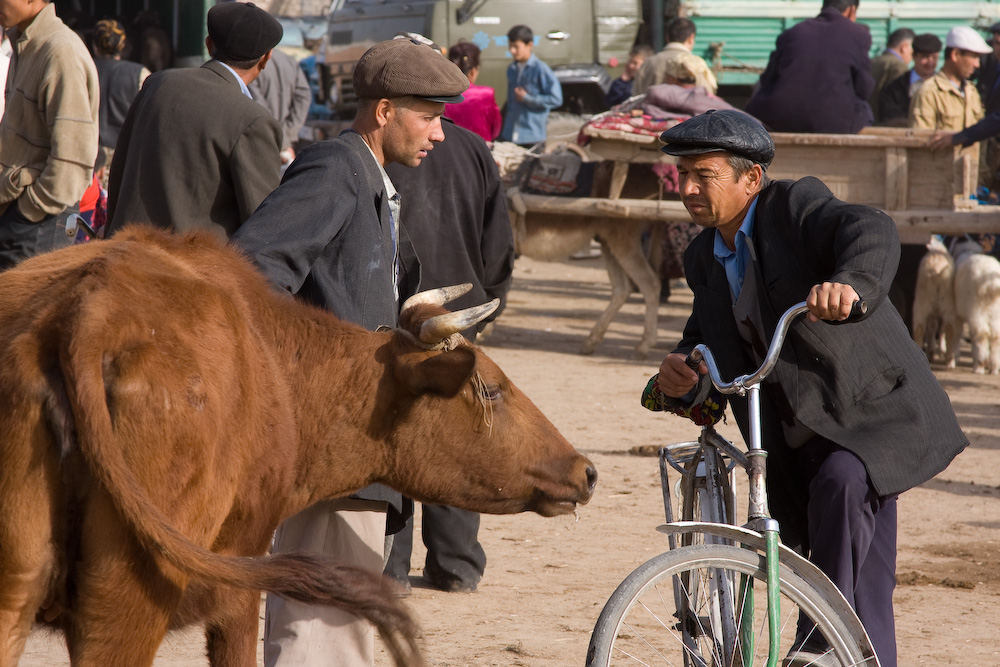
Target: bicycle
[(695, 605)]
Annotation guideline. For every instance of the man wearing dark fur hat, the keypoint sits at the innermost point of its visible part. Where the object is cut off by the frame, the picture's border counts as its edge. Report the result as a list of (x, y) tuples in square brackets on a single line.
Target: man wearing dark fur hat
[(331, 234), (852, 415), (195, 151)]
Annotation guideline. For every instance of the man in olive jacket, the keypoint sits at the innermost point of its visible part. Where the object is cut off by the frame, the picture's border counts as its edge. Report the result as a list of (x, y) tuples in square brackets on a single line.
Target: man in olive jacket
[(195, 151), (852, 414)]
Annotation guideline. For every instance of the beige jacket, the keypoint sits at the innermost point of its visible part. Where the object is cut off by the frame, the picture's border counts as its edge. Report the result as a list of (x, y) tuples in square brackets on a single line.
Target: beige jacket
[(654, 69), (49, 131), (937, 105)]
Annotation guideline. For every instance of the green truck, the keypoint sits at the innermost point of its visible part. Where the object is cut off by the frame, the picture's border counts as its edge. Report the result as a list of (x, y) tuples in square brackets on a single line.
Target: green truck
[(736, 36), (571, 36)]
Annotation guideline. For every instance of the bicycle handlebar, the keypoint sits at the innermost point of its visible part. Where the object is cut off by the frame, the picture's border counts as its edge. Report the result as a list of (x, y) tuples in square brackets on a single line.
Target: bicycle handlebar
[(741, 383)]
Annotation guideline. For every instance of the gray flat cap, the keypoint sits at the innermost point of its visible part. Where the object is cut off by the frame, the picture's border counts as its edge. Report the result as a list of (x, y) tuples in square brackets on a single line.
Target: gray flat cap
[(402, 67), (720, 131)]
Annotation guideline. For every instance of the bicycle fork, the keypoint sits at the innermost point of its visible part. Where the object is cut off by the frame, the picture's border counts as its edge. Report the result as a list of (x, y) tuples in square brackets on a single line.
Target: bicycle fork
[(760, 520)]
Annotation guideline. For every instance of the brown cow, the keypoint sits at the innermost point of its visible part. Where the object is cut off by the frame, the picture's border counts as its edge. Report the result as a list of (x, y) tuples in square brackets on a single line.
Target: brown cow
[(162, 409)]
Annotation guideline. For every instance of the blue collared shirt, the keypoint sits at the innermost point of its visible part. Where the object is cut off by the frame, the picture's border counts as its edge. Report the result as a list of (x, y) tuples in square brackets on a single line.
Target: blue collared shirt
[(243, 85), (735, 261)]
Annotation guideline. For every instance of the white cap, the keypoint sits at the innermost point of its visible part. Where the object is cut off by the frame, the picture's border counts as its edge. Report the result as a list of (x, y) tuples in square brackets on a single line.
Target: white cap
[(965, 38)]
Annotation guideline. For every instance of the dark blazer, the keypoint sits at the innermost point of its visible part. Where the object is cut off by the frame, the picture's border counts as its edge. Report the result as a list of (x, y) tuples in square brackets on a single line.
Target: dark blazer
[(817, 79), (324, 235), (884, 68), (455, 211), (987, 83), (865, 385), (193, 153), (894, 102)]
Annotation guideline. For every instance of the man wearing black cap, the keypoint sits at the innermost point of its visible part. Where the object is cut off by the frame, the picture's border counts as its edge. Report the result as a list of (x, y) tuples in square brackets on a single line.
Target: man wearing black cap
[(195, 151), (852, 415), (894, 100), (330, 234)]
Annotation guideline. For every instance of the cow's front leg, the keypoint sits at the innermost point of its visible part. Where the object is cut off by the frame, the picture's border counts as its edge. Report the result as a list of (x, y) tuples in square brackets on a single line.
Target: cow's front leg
[(232, 635)]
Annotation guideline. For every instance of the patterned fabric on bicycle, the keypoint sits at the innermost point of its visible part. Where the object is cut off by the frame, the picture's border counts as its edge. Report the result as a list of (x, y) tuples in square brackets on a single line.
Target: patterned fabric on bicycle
[(703, 410)]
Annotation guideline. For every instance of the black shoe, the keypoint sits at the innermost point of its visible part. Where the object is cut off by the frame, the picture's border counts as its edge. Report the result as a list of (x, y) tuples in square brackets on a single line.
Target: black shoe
[(445, 581), (401, 586)]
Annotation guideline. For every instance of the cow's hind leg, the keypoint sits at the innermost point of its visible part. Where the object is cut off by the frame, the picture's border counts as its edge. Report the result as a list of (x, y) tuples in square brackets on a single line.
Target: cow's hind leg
[(232, 636), (123, 601), (27, 564), (620, 289), (28, 560)]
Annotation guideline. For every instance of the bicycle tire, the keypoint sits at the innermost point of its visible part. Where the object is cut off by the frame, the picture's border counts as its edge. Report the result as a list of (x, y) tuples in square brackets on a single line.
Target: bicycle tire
[(650, 636)]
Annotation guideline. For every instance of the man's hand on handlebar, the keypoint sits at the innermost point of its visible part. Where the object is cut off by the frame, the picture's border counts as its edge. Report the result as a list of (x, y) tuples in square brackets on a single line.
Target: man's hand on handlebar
[(676, 377), (831, 302)]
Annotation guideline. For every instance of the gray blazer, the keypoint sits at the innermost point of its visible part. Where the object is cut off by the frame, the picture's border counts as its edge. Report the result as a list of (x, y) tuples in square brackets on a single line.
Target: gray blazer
[(864, 385), (194, 153), (324, 236)]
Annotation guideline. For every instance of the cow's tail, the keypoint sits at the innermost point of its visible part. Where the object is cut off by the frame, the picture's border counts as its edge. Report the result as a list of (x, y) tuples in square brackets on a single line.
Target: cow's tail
[(309, 578)]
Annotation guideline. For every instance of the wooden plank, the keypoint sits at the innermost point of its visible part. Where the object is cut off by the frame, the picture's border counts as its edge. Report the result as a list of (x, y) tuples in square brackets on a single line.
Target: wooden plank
[(896, 178), (639, 209)]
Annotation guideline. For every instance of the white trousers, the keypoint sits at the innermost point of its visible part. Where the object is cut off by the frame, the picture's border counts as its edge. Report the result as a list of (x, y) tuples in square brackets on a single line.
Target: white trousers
[(301, 635)]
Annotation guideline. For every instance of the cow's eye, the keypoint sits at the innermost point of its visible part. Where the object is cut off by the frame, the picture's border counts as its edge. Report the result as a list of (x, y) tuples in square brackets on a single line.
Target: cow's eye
[(491, 392)]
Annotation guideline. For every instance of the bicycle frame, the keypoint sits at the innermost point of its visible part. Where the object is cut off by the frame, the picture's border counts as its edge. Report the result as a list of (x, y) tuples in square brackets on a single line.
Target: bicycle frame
[(759, 517)]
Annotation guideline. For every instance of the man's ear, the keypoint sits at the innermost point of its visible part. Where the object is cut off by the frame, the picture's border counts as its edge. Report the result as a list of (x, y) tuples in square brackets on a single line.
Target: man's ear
[(383, 111), (754, 178), (263, 60)]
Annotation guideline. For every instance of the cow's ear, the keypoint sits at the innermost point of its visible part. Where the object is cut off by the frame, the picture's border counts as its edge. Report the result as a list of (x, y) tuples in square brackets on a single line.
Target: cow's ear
[(443, 374)]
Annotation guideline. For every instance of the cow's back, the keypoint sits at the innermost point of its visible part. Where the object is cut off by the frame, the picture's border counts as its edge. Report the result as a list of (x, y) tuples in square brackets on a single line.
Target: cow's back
[(134, 332)]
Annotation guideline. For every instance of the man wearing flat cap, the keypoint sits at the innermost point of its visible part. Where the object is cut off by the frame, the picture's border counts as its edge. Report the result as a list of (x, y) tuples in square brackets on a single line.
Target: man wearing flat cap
[(852, 415), (331, 234), (196, 151)]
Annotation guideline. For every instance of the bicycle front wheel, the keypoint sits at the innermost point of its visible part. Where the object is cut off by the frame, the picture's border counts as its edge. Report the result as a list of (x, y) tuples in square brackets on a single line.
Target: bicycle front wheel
[(640, 624)]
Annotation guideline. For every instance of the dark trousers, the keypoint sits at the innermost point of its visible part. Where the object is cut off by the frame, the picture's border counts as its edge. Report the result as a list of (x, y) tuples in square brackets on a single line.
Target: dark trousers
[(852, 537), (455, 558), (20, 238)]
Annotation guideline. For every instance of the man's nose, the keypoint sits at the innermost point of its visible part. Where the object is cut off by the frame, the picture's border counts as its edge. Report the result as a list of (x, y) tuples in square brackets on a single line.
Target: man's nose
[(437, 134), (688, 187)]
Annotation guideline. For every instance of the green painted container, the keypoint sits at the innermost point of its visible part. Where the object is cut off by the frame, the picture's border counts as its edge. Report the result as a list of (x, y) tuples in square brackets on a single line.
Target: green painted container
[(737, 36)]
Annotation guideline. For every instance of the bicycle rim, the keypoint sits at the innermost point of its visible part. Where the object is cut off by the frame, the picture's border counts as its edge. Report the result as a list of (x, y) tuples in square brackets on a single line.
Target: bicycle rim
[(640, 625)]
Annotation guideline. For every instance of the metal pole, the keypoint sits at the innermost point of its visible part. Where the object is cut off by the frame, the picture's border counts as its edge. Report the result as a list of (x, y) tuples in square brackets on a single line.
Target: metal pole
[(657, 20)]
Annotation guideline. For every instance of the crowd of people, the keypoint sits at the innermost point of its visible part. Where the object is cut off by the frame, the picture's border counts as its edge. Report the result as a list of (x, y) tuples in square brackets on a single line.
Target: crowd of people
[(410, 195)]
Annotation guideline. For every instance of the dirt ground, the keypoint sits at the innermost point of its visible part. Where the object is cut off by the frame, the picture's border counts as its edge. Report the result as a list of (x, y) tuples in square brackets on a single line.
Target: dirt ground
[(547, 579)]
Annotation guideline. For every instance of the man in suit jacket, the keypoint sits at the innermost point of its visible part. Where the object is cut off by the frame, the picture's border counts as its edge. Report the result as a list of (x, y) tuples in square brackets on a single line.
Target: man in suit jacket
[(852, 414), (894, 100), (282, 88), (195, 151), (331, 234), (818, 78)]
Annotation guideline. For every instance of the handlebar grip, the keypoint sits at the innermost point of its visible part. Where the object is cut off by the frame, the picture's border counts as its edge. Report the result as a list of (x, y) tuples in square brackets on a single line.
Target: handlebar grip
[(693, 359)]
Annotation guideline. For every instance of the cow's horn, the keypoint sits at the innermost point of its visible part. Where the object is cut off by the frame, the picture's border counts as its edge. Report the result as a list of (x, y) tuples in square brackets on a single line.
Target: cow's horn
[(437, 297), (440, 327)]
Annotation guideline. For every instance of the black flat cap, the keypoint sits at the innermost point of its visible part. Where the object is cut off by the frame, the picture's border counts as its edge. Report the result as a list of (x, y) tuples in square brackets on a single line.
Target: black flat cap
[(403, 66), (995, 28), (720, 131), (928, 43), (242, 30)]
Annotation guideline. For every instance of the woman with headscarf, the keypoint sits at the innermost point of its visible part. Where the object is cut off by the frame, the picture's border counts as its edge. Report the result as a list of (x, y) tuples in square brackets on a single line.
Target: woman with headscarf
[(479, 112), (120, 82)]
